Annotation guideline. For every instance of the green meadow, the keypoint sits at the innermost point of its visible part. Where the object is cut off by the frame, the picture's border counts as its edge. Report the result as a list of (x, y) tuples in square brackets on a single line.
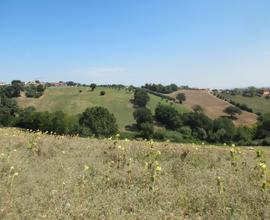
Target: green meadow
[(258, 104), (71, 101)]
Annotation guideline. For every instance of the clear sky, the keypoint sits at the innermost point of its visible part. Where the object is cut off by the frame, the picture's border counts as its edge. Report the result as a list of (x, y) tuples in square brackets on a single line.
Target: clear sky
[(203, 43)]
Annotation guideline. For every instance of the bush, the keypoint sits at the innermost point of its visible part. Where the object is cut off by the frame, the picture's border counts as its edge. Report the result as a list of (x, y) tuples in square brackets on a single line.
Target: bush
[(159, 135), (102, 93)]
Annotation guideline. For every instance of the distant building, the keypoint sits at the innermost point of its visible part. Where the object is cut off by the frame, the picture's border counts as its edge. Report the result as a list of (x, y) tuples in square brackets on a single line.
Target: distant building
[(266, 92), (2, 84), (58, 84)]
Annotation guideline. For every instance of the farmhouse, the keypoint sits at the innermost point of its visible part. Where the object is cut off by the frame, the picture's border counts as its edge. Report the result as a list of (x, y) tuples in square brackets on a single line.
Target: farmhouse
[(58, 84), (266, 92)]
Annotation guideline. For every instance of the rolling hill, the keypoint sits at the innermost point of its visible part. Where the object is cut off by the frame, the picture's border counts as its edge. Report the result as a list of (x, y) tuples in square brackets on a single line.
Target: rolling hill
[(258, 104), (62, 177), (213, 106), (72, 101)]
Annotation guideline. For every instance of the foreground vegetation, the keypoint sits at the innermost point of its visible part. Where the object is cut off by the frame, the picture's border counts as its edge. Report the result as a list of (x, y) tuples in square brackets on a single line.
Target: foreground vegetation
[(57, 177)]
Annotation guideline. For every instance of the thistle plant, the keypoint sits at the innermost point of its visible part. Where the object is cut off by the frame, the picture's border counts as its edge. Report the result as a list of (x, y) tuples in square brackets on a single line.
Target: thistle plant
[(33, 145), (220, 185), (234, 152), (152, 166), (264, 172)]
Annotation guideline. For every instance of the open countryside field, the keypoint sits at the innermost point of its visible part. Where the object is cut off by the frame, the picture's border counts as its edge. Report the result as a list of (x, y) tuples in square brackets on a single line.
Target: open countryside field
[(71, 101), (57, 177), (258, 104), (213, 106)]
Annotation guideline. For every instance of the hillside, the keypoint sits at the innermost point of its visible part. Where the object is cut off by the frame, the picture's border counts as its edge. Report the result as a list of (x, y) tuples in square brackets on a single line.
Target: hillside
[(213, 107), (71, 101), (258, 104), (54, 177)]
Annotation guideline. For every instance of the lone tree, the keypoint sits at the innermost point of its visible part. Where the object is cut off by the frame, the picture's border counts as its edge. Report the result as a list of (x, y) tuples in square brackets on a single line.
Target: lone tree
[(93, 86), (233, 111), (198, 108), (99, 120), (181, 97)]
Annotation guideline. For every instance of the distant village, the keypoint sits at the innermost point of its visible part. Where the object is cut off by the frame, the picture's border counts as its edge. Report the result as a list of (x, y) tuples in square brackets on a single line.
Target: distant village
[(37, 82)]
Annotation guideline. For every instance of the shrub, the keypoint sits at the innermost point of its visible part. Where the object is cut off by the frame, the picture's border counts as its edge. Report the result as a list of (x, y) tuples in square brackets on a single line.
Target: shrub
[(102, 93)]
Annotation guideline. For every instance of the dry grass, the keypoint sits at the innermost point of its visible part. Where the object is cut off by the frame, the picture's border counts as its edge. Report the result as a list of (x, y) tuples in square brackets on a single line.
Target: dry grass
[(213, 106), (54, 177)]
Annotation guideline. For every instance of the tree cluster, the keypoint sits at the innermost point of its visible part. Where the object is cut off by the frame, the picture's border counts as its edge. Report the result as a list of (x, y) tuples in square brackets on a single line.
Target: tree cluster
[(161, 88)]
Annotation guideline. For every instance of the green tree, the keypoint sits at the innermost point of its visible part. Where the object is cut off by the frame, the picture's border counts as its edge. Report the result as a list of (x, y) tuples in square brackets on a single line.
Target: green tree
[(93, 86), (232, 111), (181, 97), (99, 120), (141, 98), (142, 115), (147, 130), (198, 108), (168, 116)]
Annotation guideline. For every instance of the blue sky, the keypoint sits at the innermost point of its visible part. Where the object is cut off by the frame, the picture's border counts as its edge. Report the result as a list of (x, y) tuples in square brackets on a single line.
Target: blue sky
[(203, 43)]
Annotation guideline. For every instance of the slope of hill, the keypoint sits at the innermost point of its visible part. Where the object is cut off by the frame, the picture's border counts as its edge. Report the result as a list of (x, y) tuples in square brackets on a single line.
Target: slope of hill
[(71, 101), (258, 104), (54, 177), (213, 106)]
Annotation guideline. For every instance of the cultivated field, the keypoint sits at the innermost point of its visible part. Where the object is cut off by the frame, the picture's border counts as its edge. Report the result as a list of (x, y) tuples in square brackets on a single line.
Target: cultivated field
[(258, 104), (54, 177), (213, 107), (71, 101)]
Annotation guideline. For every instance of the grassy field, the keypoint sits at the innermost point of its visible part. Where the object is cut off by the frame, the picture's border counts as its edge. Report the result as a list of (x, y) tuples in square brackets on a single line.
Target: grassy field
[(71, 101), (213, 107), (54, 177), (258, 104)]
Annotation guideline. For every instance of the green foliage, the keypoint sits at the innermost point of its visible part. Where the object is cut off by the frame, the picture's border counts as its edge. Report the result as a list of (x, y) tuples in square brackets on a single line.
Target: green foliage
[(232, 111), (161, 88), (102, 93), (12, 91), (146, 130), (224, 130), (141, 98), (263, 129), (168, 116), (93, 86), (181, 97), (34, 91), (143, 115), (100, 121), (8, 111)]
